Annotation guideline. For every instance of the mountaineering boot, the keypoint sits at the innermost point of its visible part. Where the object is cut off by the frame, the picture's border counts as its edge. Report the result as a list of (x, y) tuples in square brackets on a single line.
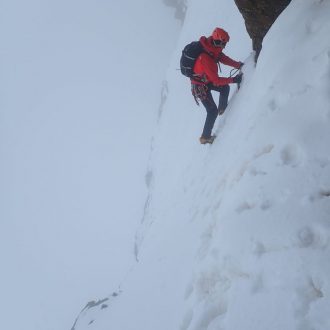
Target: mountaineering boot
[(205, 140)]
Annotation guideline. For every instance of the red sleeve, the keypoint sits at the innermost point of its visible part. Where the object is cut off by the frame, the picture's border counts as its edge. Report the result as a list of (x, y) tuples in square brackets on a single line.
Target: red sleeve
[(228, 61), (211, 70)]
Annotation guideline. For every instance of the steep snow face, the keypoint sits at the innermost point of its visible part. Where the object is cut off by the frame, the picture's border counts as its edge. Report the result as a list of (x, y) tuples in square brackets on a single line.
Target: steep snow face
[(261, 192), (237, 235)]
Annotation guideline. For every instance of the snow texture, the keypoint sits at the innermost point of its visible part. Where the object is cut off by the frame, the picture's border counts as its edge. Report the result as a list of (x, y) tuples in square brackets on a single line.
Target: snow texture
[(236, 235)]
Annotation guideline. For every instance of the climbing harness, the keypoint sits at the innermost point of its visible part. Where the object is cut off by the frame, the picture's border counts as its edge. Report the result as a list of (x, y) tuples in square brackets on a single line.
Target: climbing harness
[(199, 91)]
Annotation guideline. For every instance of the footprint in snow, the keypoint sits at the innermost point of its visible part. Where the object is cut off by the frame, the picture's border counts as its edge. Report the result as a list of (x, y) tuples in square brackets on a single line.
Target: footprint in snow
[(312, 237), (245, 206), (291, 155)]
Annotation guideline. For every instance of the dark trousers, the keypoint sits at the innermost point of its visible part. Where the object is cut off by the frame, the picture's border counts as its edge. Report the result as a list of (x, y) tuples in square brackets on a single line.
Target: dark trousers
[(212, 110)]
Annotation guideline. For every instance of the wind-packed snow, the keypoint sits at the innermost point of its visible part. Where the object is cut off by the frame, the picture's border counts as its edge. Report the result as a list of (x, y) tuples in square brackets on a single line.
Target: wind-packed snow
[(235, 235)]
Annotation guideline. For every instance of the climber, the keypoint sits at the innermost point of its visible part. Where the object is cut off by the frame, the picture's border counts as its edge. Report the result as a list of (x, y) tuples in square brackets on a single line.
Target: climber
[(205, 79)]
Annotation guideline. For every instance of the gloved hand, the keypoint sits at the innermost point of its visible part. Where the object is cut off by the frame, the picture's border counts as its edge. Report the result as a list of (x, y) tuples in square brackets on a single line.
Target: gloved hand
[(240, 65), (238, 78)]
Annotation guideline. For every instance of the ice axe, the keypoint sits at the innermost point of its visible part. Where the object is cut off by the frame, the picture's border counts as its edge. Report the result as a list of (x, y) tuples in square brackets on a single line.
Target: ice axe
[(236, 72)]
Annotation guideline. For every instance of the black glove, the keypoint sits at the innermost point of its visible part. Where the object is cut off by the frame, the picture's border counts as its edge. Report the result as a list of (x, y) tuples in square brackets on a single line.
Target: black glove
[(241, 65), (238, 78)]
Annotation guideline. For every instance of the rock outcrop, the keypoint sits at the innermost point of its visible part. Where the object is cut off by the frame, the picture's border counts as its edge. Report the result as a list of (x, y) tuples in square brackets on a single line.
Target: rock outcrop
[(259, 15)]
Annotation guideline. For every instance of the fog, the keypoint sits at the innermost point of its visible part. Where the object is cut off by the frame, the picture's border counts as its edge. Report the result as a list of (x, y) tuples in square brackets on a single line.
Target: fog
[(80, 88)]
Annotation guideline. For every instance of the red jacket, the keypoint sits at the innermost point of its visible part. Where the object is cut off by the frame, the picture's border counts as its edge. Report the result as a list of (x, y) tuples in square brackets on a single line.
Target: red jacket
[(206, 64)]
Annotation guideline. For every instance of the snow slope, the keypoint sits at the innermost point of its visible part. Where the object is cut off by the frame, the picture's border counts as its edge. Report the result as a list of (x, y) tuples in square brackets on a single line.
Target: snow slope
[(237, 235)]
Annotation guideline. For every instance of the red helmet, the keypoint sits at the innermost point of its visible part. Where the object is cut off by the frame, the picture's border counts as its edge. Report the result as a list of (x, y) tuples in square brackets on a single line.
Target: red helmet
[(220, 34)]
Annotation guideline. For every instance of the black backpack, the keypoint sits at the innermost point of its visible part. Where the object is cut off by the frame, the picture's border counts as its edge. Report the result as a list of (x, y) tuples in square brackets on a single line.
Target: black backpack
[(189, 56)]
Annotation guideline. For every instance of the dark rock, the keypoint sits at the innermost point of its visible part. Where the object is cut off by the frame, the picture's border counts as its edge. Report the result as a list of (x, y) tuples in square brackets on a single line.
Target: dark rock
[(259, 15)]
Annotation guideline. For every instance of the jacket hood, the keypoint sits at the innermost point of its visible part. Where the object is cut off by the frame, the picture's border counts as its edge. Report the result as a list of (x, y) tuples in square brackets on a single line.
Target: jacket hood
[(209, 47)]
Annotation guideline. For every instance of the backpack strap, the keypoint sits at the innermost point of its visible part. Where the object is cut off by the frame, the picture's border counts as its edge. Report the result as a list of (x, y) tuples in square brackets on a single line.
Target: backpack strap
[(198, 79)]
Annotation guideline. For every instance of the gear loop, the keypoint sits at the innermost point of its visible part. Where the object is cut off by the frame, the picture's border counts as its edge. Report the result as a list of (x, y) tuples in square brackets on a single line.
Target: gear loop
[(199, 91)]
